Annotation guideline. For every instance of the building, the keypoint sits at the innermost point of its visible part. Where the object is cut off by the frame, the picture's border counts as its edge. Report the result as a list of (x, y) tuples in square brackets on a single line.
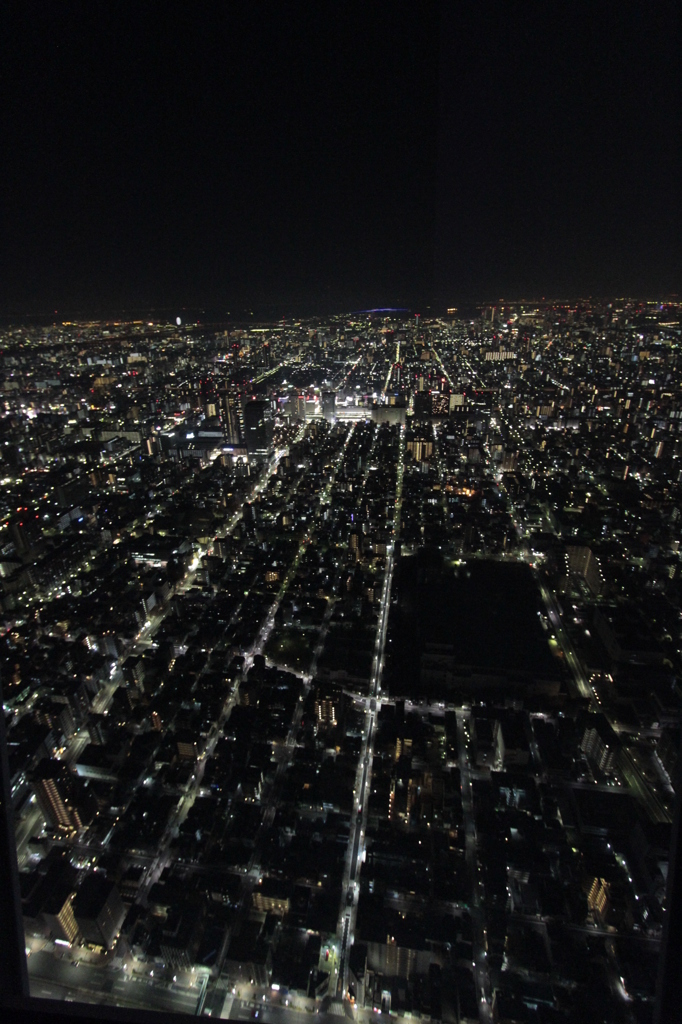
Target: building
[(509, 461), (271, 897), (187, 745), (258, 425), (583, 562), (230, 419), (600, 743), (134, 669), (328, 711), (98, 911), (511, 745), (209, 398), (59, 916), (249, 956), (181, 934), (420, 449), (499, 355), (22, 536), (598, 898), (440, 404), (93, 763), (55, 792), (484, 740), (328, 404)]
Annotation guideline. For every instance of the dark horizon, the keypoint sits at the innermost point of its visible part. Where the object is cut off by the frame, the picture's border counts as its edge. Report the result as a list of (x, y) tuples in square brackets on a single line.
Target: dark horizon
[(272, 314), (339, 160)]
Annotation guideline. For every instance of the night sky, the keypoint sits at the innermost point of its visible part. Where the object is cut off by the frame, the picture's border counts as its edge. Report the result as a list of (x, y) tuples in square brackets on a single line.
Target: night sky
[(325, 156)]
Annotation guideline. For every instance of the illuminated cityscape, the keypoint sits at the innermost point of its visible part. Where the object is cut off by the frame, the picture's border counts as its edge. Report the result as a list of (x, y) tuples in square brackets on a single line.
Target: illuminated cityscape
[(341, 659), (340, 513)]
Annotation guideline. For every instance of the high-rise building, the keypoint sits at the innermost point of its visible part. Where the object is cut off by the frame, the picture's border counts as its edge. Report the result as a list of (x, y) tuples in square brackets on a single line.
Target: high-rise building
[(55, 792), (23, 533), (583, 562), (328, 404), (598, 898), (258, 425), (230, 414), (98, 911), (422, 404), (57, 912), (509, 461), (326, 713), (420, 448), (209, 398), (600, 743)]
